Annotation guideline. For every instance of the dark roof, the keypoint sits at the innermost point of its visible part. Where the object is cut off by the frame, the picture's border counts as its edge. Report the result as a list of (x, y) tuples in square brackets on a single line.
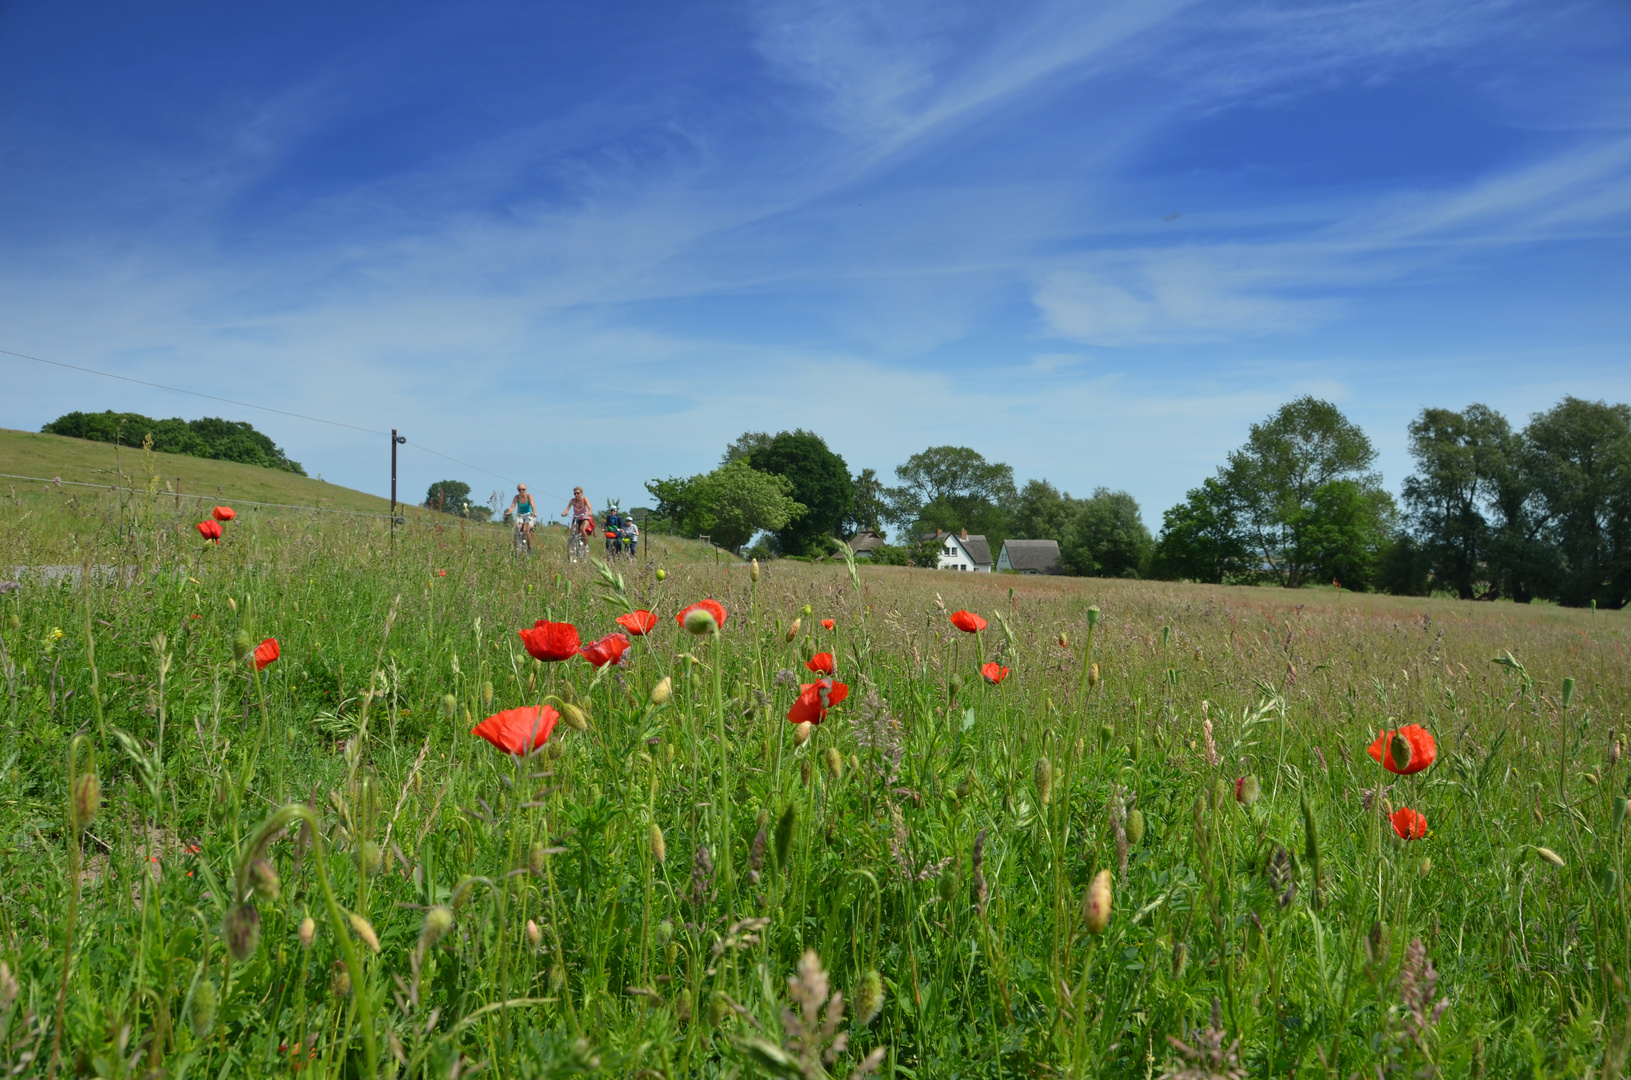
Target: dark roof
[(975, 545), (1038, 556), (865, 540)]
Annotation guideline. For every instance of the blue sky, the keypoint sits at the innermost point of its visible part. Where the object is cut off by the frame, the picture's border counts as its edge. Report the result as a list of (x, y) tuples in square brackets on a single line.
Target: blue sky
[(574, 245)]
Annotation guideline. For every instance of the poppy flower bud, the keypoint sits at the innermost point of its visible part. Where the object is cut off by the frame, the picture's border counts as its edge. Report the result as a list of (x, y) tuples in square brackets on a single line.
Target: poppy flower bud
[(834, 762), (450, 706), (1135, 827), (718, 1010), (1180, 959), (535, 859), (806, 611), (14, 622), (1618, 813), (534, 935), (438, 921), (1247, 789), (659, 846), (699, 620), (87, 799), (1093, 675), (1399, 751), (662, 575), (242, 930), (1550, 856), (1042, 776), (307, 932), (793, 631), (1064, 640), (241, 645), (665, 932), (954, 685), (1424, 867), (1568, 692), (1092, 617), (802, 732), (784, 835), (753, 570), (1096, 905), (868, 998), (486, 694), (263, 875), (201, 1011), (364, 930), (340, 984), (371, 858), (662, 691), (683, 1009), (948, 886), (574, 717)]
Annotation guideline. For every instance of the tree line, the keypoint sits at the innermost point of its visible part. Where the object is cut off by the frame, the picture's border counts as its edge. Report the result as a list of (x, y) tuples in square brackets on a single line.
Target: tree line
[(211, 437), (1489, 511)]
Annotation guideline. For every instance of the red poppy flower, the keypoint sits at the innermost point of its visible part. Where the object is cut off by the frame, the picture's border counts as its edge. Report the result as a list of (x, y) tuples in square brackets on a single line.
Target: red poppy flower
[(821, 663), (210, 530), (1417, 749), (441, 573), (993, 672), (224, 513), (638, 623), (815, 699), (515, 731), (1409, 824), (608, 650), (826, 624), (551, 640), (265, 653), (712, 607), (967, 621)]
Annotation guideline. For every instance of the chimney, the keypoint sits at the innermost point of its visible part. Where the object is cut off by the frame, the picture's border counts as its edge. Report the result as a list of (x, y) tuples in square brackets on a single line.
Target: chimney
[(963, 535)]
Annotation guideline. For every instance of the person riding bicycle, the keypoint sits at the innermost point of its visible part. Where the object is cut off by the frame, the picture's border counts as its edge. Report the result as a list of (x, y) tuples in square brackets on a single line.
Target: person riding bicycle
[(631, 536), (583, 514), (526, 515)]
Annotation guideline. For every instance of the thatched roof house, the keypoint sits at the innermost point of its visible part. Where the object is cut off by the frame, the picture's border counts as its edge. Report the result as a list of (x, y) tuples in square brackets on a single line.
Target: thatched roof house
[(1030, 557)]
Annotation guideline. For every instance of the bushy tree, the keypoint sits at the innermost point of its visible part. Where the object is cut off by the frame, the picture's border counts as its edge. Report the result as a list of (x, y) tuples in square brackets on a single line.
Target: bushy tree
[(1342, 532), (211, 437), (870, 505), (820, 482), (1106, 537), (952, 488), (449, 497), (1579, 466), (1462, 460), (1202, 540), (1041, 512), (729, 504)]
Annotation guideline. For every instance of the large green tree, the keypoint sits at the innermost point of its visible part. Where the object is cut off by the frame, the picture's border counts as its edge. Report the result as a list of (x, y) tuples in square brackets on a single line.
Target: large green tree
[(1579, 464), (952, 488), (821, 483), (1106, 537), (1462, 461), (449, 497), (1041, 512), (1202, 539), (870, 505), (1277, 478), (728, 505)]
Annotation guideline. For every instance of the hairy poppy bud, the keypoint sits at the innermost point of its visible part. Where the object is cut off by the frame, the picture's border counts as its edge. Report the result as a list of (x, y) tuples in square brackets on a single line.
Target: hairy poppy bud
[(868, 998), (307, 932), (1092, 617), (834, 762), (793, 630), (438, 921), (1064, 640), (805, 611), (1247, 790), (574, 717), (948, 886), (1096, 905), (784, 835), (699, 620), (1135, 827), (87, 799), (1424, 867), (682, 1006), (1042, 776), (486, 694), (665, 932), (1618, 813), (341, 982), (1614, 753), (954, 685), (753, 570), (1550, 856), (1093, 675), (534, 935), (718, 1009), (1180, 959), (1568, 692), (662, 575), (241, 645), (535, 859), (364, 930), (372, 858), (662, 691), (263, 875), (1399, 750), (450, 706), (201, 1011), (242, 930), (801, 733), (659, 846)]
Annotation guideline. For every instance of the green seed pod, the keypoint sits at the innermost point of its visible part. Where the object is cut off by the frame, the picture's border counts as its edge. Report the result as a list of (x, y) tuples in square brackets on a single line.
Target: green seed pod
[(438, 921), (1092, 617), (1399, 751), (340, 983), (574, 716), (263, 875), (1107, 734), (718, 1010), (662, 574), (1042, 776), (242, 930), (784, 835), (241, 645), (1135, 827), (948, 886), (450, 706), (868, 998), (1568, 692), (87, 799), (806, 611), (954, 686), (371, 857), (201, 1013)]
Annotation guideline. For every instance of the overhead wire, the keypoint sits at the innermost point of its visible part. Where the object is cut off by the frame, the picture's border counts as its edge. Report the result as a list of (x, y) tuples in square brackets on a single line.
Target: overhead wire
[(266, 408)]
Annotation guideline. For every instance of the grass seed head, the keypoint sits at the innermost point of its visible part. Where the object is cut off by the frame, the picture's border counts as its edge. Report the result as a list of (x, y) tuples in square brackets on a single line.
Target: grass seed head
[(659, 847), (241, 927)]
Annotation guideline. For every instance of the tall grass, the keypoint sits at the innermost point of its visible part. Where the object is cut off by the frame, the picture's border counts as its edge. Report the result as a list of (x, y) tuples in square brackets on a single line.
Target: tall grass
[(686, 888)]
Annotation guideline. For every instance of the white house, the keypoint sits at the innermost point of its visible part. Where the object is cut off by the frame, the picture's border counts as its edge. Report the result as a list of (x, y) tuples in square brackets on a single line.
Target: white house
[(960, 551), (1030, 557)]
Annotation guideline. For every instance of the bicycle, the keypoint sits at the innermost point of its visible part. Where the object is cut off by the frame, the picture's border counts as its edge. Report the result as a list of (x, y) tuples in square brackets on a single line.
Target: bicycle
[(519, 544), (577, 546)]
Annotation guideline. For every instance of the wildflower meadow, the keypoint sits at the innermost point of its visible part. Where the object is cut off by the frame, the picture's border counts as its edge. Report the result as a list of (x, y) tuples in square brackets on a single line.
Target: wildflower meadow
[(297, 797)]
